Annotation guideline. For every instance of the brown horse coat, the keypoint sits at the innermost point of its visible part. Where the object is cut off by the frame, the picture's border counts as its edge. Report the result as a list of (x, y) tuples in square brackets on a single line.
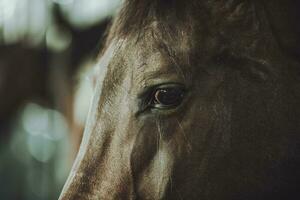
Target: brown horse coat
[(195, 99)]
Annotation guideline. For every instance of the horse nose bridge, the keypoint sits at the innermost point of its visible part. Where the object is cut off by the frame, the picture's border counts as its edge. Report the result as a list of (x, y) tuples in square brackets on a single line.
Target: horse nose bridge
[(83, 176), (101, 170), (75, 183)]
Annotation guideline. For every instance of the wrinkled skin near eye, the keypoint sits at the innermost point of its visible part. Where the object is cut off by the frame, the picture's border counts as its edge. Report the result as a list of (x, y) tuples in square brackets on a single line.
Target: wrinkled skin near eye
[(167, 96)]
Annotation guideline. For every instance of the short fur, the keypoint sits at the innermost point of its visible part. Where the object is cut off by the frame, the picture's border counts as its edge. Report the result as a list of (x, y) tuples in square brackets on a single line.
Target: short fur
[(236, 135)]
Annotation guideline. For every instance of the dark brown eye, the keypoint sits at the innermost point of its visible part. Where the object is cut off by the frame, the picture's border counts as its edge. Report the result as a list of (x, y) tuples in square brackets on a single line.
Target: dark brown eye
[(168, 96)]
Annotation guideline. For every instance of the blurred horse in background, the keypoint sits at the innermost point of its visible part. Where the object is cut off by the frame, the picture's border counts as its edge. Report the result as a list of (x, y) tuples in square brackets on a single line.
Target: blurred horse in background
[(194, 100)]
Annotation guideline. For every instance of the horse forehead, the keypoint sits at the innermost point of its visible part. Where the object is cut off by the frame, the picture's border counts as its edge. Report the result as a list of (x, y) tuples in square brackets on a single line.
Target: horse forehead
[(131, 55), (153, 51), (106, 57)]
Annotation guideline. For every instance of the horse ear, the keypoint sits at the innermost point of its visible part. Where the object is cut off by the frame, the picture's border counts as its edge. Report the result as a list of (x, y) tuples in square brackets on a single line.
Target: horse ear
[(284, 18)]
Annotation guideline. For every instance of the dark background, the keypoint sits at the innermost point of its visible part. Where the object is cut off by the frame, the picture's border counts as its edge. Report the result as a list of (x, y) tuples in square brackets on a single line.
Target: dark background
[(47, 50)]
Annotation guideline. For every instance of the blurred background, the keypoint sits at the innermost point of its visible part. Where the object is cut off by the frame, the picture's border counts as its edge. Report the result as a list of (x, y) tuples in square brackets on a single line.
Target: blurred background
[(47, 50)]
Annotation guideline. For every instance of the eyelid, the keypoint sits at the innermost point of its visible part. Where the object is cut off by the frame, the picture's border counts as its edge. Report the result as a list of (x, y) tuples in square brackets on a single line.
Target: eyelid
[(153, 88), (168, 85)]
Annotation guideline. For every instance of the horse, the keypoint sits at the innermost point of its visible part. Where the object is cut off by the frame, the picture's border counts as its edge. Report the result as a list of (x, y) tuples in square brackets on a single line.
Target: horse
[(194, 100)]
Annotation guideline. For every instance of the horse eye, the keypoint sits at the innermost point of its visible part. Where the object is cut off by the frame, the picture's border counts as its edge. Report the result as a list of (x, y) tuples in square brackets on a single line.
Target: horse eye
[(167, 96)]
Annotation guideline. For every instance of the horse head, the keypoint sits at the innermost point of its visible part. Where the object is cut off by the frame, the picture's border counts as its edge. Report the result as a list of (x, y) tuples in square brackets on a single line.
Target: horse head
[(193, 100)]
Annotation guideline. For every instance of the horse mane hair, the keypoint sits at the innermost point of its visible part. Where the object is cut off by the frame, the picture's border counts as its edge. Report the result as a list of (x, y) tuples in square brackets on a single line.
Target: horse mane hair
[(137, 14), (232, 18)]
